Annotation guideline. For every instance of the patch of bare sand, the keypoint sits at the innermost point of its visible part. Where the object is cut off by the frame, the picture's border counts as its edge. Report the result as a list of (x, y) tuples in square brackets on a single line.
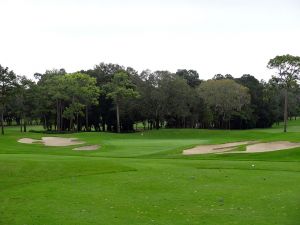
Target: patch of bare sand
[(206, 149), (270, 146), (53, 141), (28, 141), (87, 148), (260, 147), (58, 141)]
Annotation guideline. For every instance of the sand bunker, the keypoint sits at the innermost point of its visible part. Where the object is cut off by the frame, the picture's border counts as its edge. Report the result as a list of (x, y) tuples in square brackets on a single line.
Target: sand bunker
[(270, 146), (87, 148), (206, 149), (58, 141), (28, 141), (53, 141), (251, 147)]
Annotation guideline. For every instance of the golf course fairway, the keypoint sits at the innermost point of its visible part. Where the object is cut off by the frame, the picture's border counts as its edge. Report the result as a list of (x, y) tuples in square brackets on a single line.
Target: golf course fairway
[(143, 178)]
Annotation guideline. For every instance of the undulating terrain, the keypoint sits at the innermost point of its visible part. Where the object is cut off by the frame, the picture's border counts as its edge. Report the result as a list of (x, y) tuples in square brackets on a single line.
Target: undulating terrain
[(143, 178)]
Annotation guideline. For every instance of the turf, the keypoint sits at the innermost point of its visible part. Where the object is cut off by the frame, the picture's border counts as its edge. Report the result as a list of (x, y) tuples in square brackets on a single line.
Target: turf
[(142, 178)]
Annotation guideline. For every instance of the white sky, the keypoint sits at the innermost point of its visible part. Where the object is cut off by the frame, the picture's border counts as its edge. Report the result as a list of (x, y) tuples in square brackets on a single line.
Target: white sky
[(210, 36)]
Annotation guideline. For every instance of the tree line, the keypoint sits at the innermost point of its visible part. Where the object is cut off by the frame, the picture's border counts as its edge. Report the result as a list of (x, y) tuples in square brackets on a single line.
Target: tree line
[(111, 97)]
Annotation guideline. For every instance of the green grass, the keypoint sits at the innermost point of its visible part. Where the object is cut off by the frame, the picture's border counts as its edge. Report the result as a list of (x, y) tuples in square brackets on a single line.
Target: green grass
[(142, 178)]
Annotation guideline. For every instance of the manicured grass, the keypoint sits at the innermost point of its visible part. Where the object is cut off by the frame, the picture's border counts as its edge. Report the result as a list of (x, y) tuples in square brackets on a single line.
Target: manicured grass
[(142, 178)]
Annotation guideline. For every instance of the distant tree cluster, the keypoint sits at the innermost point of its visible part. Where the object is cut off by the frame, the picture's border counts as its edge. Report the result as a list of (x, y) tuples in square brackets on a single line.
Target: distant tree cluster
[(111, 97)]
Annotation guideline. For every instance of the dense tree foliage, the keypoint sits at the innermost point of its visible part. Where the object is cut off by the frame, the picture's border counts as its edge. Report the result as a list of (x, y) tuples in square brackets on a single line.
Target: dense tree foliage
[(111, 97), (225, 98), (7, 84), (118, 90)]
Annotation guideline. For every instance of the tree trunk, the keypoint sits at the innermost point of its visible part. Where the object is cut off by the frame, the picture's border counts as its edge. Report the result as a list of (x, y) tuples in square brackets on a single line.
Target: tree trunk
[(118, 118), (71, 125), (77, 122), (156, 119), (45, 122), (2, 123), (57, 115), (25, 128), (61, 117), (21, 126), (285, 116), (103, 125), (87, 119)]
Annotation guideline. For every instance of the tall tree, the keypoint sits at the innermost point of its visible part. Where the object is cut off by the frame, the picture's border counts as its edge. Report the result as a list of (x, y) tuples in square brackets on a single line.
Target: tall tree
[(52, 94), (118, 89), (224, 97), (288, 71), (150, 103), (191, 76), (82, 91), (101, 114), (25, 100), (177, 97), (8, 80)]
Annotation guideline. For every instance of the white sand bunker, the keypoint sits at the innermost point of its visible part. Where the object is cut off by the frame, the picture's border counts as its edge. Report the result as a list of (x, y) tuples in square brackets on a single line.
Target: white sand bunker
[(28, 141), (270, 146), (53, 141), (87, 148), (58, 141), (206, 149), (251, 147)]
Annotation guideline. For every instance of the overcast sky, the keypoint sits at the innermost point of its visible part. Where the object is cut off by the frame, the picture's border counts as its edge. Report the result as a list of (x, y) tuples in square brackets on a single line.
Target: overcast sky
[(210, 36)]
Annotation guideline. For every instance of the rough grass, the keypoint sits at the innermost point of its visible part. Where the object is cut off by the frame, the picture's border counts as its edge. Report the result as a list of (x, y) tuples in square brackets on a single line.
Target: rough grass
[(144, 179)]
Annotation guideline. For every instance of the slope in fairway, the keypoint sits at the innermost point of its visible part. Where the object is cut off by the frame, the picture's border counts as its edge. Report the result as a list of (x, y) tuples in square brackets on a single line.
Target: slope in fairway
[(145, 179)]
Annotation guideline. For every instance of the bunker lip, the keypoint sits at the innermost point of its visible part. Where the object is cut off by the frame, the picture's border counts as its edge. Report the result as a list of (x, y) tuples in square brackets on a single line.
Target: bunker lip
[(252, 147)]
